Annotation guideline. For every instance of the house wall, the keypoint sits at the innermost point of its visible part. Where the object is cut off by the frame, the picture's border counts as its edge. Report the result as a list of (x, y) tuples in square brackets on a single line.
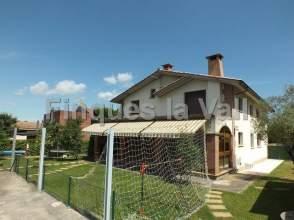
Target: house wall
[(246, 155), (175, 97), (242, 156)]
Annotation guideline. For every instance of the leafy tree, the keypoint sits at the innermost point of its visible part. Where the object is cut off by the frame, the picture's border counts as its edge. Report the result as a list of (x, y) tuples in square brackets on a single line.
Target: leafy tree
[(71, 138), (7, 122), (279, 124), (53, 135), (4, 140), (106, 113), (281, 121)]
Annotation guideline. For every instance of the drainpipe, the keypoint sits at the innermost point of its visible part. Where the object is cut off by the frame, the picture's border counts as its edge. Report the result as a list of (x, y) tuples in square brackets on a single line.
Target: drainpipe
[(233, 133)]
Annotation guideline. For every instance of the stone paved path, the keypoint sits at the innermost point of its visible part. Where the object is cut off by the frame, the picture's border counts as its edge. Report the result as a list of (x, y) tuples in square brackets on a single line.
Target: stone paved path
[(215, 204), (21, 200)]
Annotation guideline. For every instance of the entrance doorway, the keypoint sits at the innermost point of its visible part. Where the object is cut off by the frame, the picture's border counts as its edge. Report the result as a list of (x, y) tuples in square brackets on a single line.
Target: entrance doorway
[(225, 139)]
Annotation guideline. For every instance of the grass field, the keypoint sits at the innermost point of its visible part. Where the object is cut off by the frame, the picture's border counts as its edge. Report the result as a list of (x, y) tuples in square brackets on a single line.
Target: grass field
[(265, 199), (81, 184)]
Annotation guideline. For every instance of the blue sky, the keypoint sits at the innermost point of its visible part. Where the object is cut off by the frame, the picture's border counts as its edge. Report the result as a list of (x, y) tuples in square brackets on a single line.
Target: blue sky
[(67, 48)]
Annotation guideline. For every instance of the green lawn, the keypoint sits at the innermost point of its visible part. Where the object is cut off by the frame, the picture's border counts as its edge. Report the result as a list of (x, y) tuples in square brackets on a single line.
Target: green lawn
[(160, 199), (5, 163), (266, 198)]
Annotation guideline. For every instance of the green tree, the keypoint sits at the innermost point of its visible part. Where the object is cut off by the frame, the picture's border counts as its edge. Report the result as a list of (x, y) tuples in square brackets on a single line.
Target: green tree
[(279, 124), (4, 140), (281, 121), (71, 138), (106, 113), (53, 135), (7, 122)]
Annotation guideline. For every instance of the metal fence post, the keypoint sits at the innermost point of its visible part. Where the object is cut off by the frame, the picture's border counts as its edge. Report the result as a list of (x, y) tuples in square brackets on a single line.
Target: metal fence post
[(108, 175), (17, 164), (113, 205), (41, 162), (13, 146), (69, 190), (43, 179), (27, 169)]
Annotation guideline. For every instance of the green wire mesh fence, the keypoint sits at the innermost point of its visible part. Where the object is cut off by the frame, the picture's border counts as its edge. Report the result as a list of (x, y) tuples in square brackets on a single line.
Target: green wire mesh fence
[(77, 184)]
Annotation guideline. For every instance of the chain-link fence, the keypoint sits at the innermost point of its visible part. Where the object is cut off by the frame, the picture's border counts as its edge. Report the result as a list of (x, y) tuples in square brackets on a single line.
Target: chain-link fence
[(78, 184), (5, 163)]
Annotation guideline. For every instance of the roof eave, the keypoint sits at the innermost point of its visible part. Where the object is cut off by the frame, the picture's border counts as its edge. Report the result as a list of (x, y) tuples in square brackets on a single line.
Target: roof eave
[(153, 76)]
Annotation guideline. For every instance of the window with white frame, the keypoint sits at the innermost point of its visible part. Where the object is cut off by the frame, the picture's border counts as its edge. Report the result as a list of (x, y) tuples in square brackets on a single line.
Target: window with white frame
[(240, 139), (257, 113), (240, 104), (259, 139), (252, 140), (250, 109), (152, 93)]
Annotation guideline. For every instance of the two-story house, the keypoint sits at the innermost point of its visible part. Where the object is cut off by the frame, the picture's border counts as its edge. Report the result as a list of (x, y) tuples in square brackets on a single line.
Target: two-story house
[(228, 105)]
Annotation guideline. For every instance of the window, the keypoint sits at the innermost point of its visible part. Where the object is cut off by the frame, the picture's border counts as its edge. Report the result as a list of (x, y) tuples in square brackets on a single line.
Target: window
[(257, 113), (251, 110), (240, 104), (193, 103), (135, 108), (152, 93), (259, 139), (252, 140), (240, 139)]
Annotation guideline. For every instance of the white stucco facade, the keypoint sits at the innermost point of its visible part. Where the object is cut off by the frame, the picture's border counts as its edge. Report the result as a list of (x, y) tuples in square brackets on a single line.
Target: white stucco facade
[(244, 155)]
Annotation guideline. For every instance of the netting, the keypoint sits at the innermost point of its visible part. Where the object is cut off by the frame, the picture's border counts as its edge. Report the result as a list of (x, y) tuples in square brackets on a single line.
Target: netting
[(159, 177), (87, 194)]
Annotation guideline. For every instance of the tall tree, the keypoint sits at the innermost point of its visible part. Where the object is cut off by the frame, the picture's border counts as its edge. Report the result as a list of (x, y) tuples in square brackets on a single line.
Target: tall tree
[(280, 123), (53, 135), (7, 122), (71, 138)]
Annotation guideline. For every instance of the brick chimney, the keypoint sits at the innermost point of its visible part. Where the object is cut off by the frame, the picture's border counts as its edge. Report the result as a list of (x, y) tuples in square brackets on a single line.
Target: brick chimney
[(215, 65), (167, 67)]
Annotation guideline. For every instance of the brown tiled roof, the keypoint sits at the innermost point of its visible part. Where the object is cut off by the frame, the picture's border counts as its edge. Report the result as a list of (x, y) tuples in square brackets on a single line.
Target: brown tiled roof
[(27, 125), (155, 75)]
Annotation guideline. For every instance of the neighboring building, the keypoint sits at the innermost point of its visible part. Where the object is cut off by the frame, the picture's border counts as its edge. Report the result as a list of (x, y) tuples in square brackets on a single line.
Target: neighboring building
[(231, 141), (27, 130), (62, 116)]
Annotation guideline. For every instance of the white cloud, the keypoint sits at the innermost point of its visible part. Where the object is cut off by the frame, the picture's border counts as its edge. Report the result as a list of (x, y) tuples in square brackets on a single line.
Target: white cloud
[(108, 95), (65, 87), (123, 78), (110, 80), (40, 88), (21, 92)]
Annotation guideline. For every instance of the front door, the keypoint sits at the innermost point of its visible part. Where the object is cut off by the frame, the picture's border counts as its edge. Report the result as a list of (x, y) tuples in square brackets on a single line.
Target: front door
[(224, 149)]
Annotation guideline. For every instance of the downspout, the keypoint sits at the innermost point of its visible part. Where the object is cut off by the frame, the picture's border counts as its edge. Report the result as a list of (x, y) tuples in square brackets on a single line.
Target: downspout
[(233, 132)]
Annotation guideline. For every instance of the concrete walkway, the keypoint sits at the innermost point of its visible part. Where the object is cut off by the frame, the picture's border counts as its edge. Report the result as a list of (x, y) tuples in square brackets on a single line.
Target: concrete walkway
[(235, 182), (238, 182), (262, 168), (20, 200)]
